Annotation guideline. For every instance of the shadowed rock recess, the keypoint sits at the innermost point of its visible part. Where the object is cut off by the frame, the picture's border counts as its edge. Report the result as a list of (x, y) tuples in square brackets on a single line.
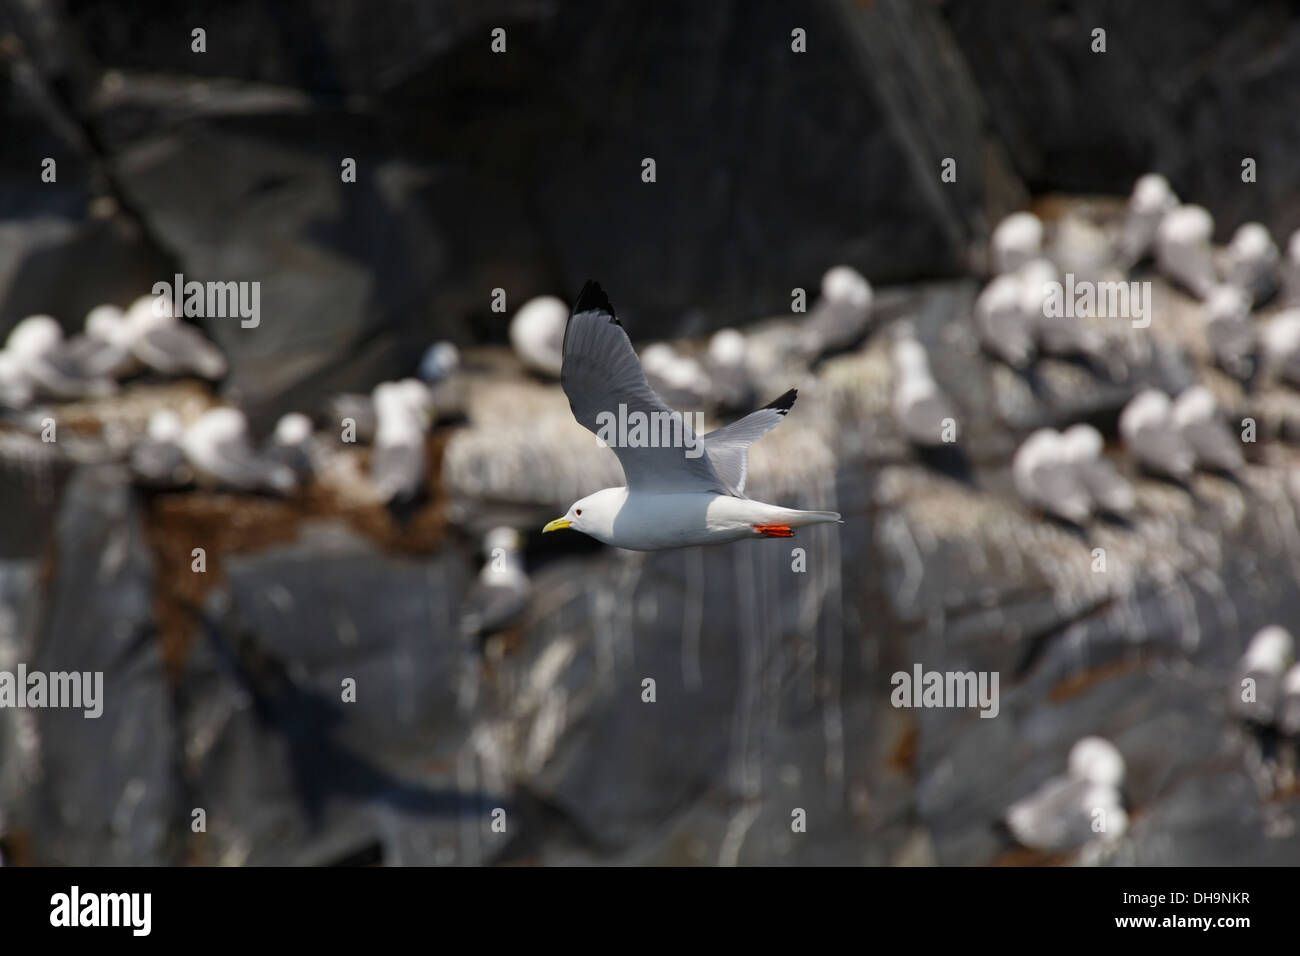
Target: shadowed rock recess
[(312, 689)]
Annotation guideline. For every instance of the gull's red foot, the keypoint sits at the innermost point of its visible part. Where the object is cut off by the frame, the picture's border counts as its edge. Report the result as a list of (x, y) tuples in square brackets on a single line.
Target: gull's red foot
[(774, 530)]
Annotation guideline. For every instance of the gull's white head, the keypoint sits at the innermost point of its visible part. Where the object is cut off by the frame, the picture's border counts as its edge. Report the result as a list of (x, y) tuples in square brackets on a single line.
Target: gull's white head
[(844, 285), (1152, 194), (910, 358), (293, 430), (506, 538), (1017, 239), (1187, 225), (149, 312), (1269, 651), (1195, 404), (34, 336), (1149, 408), (1252, 244), (593, 515), (1227, 303), (1098, 761), (1081, 442), (727, 349), (165, 426), (215, 427), (440, 360), (106, 323)]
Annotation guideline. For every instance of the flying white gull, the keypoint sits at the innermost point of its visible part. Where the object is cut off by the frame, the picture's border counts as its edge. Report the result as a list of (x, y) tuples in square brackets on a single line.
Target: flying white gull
[(1147, 427), (218, 446), (676, 496), (840, 316), (49, 366), (166, 345), (1109, 490), (537, 334), (1250, 261), (1196, 416), (500, 595), (920, 406), (1017, 239), (1001, 322), (1257, 682), (1045, 477), (1228, 329), (1063, 814), (1183, 250), (403, 411), (1152, 198)]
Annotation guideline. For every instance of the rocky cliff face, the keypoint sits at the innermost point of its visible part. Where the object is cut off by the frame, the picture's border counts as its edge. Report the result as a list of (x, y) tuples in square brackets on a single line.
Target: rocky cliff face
[(226, 687)]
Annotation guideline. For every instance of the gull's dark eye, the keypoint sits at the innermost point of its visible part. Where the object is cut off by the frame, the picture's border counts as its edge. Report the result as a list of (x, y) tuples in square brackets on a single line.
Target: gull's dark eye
[(578, 512)]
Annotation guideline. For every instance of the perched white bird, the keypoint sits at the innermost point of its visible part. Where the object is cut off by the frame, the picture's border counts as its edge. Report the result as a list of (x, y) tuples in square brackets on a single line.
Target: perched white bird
[(680, 379), (1069, 811), (1147, 427), (1199, 423), (165, 344), (403, 412), (1280, 340), (16, 389), (1228, 329), (1257, 684), (49, 367), (728, 368), (920, 406), (1046, 478), (1109, 490), (440, 361), (499, 596), (218, 447), (1017, 239), (690, 492), (1250, 261), (105, 344), (290, 445), (1152, 198), (1291, 271), (1001, 322), (1288, 707), (1183, 249), (537, 334), (841, 315), (159, 458), (1061, 335)]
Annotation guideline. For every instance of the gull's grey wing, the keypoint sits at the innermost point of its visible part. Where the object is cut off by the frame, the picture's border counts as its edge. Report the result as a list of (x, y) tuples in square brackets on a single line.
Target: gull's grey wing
[(728, 446), (178, 349), (397, 470), (1056, 817), (601, 372)]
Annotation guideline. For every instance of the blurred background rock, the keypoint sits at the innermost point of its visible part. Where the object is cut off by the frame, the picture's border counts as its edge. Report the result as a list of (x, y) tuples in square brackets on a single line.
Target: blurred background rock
[(522, 171)]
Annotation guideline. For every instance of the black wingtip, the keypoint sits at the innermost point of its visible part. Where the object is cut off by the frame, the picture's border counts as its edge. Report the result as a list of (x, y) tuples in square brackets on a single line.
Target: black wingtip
[(785, 402), (592, 298)]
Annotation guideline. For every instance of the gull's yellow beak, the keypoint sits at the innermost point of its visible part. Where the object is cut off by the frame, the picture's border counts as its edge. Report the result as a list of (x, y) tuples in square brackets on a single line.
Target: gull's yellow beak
[(559, 524)]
